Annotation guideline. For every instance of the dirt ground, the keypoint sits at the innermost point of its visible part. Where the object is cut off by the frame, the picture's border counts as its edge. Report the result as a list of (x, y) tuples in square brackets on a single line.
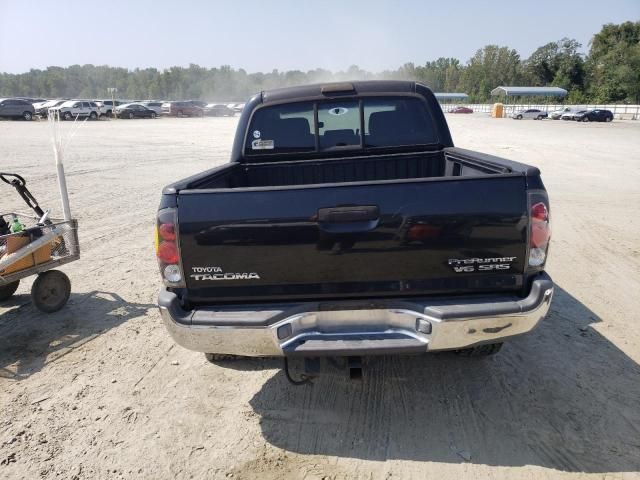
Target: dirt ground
[(98, 390)]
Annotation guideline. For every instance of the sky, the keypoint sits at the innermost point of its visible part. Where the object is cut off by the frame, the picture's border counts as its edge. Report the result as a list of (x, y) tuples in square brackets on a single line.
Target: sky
[(287, 34)]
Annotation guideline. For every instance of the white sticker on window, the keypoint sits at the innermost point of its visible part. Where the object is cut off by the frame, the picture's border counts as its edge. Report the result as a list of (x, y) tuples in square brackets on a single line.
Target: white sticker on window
[(262, 145), (338, 111)]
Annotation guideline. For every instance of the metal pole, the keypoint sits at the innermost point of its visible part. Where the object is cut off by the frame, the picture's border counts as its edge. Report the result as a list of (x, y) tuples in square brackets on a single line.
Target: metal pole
[(64, 194), (54, 122), (113, 91), (62, 181)]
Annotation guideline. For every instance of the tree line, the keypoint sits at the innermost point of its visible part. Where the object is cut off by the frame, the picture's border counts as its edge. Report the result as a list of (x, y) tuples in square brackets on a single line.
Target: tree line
[(610, 72)]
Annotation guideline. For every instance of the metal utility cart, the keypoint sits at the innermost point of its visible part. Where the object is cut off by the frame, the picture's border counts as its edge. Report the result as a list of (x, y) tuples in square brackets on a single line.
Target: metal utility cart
[(39, 245)]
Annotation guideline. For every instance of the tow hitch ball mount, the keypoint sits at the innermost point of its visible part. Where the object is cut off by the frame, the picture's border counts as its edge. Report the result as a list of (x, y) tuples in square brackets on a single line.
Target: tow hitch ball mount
[(300, 371)]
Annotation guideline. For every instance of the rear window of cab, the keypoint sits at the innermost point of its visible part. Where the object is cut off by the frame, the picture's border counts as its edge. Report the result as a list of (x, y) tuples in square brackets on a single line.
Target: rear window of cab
[(349, 124)]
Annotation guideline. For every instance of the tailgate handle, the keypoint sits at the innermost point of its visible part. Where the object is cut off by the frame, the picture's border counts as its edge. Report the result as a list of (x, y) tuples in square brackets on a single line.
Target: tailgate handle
[(364, 213)]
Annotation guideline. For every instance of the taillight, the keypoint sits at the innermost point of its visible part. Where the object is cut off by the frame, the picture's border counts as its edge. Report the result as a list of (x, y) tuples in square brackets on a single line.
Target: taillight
[(422, 231), (539, 228), (167, 248), (167, 231), (168, 252)]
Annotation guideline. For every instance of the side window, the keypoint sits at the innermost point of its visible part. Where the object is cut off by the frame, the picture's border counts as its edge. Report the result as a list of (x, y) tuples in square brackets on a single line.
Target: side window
[(281, 129), (77, 105), (339, 124), (391, 122)]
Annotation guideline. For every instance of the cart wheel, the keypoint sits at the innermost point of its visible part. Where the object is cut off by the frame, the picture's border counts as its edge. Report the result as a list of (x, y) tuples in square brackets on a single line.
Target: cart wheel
[(50, 291), (9, 289)]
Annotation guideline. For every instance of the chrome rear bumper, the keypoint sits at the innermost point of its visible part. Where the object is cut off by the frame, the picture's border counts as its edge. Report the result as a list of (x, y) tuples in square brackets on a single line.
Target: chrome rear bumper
[(368, 327)]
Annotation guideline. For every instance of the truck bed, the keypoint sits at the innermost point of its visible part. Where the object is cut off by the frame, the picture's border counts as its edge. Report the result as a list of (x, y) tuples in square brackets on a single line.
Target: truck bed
[(451, 162)]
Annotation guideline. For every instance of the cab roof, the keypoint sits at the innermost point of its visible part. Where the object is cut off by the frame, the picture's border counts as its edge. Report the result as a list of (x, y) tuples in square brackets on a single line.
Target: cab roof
[(335, 89)]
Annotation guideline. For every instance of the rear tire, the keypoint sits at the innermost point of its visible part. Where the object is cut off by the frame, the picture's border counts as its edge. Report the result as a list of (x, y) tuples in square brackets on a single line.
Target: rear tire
[(50, 291), (608, 119), (130, 116), (585, 119), (480, 350), (27, 116), (180, 113), (93, 116), (539, 117), (67, 116), (6, 291), (519, 117), (153, 115)]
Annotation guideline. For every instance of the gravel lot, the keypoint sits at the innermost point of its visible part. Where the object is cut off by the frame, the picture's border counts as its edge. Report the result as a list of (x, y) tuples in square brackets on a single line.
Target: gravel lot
[(98, 390)]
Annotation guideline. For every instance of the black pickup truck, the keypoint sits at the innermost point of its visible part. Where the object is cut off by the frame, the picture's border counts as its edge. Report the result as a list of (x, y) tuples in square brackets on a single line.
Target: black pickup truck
[(348, 224)]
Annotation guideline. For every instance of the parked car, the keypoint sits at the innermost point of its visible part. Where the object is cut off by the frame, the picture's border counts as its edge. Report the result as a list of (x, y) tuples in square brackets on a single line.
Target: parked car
[(595, 116), (556, 114), (42, 108), (16, 108), (37, 105), (313, 264), (571, 115), (31, 100), (134, 110), (182, 109), (76, 109), (530, 113), (218, 110), (238, 107), (107, 106), (461, 110), (155, 106)]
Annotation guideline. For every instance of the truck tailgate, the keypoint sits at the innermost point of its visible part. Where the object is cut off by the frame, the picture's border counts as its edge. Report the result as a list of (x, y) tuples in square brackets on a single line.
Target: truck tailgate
[(395, 238)]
